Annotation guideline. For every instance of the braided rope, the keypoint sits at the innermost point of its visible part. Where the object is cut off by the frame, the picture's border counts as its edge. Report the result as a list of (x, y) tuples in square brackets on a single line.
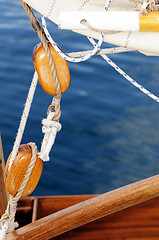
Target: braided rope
[(75, 57), (120, 71), (132, 81), (151, 6), (12, 204), (65, 56)]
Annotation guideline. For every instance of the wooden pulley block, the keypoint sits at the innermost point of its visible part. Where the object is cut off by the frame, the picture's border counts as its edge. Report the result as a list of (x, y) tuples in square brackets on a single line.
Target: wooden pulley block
[(42, 66), (14, 177)]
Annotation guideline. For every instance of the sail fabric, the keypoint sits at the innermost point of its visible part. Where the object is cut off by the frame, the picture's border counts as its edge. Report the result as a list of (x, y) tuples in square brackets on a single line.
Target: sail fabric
[(145, 42)]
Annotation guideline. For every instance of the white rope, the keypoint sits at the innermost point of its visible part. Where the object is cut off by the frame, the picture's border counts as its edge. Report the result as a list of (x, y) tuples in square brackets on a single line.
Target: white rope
[(63, 55), (50, 129), (24, 118), (119, 70), (5, 226), (132, 81), (108, 2), (84, 55), (76, 57)]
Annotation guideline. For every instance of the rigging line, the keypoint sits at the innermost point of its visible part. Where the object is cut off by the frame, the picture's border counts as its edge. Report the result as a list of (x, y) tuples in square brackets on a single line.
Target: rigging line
[(101, 51), (75, 58), (107, 4), (70, 59), (119, 70), (127, 77), (24, 118)]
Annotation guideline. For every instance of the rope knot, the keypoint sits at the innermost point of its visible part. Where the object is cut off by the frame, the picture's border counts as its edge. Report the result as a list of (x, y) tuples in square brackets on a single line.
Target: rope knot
[(50, 129), (49, 125)]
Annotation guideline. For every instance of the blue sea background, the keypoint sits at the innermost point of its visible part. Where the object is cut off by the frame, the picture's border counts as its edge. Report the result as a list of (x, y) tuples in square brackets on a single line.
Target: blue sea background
[(110, 130)]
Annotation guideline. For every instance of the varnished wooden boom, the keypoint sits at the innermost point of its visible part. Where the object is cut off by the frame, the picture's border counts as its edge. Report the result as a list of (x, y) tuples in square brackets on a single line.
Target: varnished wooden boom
[(90, 210)]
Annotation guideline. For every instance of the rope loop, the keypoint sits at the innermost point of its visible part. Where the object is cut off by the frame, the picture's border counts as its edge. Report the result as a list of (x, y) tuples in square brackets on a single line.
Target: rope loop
[(5, 226), (67, 57)]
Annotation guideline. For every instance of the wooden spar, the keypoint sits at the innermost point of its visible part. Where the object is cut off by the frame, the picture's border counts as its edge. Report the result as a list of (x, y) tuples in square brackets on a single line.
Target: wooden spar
[(88, 211), (3, 192), (110, 20)]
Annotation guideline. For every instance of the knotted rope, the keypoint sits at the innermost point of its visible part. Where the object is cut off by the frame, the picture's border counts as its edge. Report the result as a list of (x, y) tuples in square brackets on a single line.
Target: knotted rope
[(7, 221), (50, 129), (144, 6)]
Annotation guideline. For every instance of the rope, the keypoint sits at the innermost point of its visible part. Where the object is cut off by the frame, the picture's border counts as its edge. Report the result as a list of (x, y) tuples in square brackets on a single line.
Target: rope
[(39, 30), (85, 55), (144, 6), (9, 215), (120, 71), (132, 81), (151, 5), (5, 226), (87, 24), (50, 129), (51, 124), (7, 219), (65, 56), (24, 118), (107, 4), (100, 52)]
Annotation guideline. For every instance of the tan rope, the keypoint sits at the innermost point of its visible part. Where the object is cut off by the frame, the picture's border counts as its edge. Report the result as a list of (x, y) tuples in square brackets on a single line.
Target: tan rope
[(39, 30), (12, 204), (100, 52), (86, 23)]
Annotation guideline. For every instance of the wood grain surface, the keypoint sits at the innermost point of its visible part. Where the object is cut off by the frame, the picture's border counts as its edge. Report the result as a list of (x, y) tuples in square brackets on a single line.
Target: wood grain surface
[(97, 207)]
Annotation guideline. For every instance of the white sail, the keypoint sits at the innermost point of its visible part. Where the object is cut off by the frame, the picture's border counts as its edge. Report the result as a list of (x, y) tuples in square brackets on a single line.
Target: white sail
[(145, 42)]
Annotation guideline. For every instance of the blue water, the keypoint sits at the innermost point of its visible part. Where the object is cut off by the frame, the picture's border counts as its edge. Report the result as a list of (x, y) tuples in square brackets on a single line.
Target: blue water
[(110, 130)]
